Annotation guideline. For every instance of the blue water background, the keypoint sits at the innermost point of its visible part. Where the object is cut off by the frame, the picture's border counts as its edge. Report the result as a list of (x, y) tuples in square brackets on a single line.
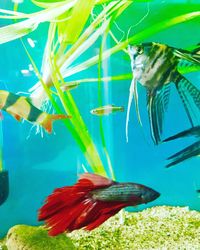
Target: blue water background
[(38, 165)]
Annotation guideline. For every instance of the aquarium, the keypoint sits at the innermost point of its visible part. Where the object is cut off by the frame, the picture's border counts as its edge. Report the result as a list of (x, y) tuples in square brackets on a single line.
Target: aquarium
[(100, 117)]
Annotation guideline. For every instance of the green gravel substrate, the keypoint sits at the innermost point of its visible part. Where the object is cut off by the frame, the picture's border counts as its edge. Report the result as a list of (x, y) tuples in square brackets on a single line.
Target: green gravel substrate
[(161, 228), (154, 228)]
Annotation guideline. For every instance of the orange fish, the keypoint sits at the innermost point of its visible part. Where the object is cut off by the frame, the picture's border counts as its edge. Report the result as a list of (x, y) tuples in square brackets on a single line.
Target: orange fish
[(21, 107)]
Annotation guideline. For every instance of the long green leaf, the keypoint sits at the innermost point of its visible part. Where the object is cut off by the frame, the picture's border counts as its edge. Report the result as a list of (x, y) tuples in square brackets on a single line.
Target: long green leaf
[(138, 38), (84, 41), (13, 14), (20, 29), (76, 134), (77, 21), (47, 4), (121, 77), (78, 127), (100, 102)]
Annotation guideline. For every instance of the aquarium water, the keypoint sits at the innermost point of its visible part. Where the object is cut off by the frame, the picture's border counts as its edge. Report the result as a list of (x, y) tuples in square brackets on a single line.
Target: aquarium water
[(38, 162)]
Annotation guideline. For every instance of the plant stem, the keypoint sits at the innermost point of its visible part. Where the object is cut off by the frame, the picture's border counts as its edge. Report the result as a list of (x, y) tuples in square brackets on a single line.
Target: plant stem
[(80, 130)]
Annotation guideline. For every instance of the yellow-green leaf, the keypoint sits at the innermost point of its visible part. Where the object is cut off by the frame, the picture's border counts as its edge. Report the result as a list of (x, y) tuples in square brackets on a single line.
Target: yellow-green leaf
[(20, 29), (79, 17)]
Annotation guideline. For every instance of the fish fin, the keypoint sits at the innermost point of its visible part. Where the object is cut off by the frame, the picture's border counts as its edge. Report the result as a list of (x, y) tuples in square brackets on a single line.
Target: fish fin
[(47, 123), (87, 214), (195, 131), (196, 50), (185, 154), (72, 207), (38, 95), (157, 105), (105, 213), (190, 96), (72, 194), (132, 93), (191, 56), (97, 181), (66, 218), (16, 116)]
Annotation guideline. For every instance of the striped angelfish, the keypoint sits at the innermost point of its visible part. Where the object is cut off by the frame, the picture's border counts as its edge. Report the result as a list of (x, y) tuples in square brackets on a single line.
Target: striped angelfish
[(155, 66), (20, 107)]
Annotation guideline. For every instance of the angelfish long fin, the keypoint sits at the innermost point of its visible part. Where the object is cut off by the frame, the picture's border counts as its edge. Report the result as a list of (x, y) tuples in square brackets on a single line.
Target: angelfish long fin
[(157, 105), (132, 93), (190, 96), (193, 56), (194, 131), (129, 106), (185, 154)]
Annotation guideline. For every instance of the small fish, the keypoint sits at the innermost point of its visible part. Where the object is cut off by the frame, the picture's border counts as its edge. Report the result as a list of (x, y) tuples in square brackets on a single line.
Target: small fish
[(21, 107), (70, 86), (188, 152), (107, 110), (155, 66), (90, 202)]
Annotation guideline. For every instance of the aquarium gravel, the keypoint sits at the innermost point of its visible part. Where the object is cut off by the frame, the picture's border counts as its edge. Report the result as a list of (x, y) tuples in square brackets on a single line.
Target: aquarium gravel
[(154, 228), (162, 228)]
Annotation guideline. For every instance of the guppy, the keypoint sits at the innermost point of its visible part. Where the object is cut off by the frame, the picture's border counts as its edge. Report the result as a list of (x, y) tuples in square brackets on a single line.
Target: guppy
[(188, 152), (90, 202), (155, 66), (21, 107)]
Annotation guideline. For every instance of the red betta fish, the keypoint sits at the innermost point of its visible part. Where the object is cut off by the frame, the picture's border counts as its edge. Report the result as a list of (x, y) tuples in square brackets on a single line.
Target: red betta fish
[(90, 202)]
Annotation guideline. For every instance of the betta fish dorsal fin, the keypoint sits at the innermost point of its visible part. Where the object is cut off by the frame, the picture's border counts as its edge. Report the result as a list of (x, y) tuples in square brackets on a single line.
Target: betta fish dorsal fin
[(96, 180)]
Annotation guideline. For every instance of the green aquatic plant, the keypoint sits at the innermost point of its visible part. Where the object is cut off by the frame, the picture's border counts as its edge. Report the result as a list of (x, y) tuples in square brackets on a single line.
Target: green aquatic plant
[(55, 57), (35, 238), (66, 44)]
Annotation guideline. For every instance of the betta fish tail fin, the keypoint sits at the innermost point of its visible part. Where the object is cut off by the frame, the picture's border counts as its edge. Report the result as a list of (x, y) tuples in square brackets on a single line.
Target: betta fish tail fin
[(157, 103), (47, 123), (190, 151), (73, 207), (190, 96)]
